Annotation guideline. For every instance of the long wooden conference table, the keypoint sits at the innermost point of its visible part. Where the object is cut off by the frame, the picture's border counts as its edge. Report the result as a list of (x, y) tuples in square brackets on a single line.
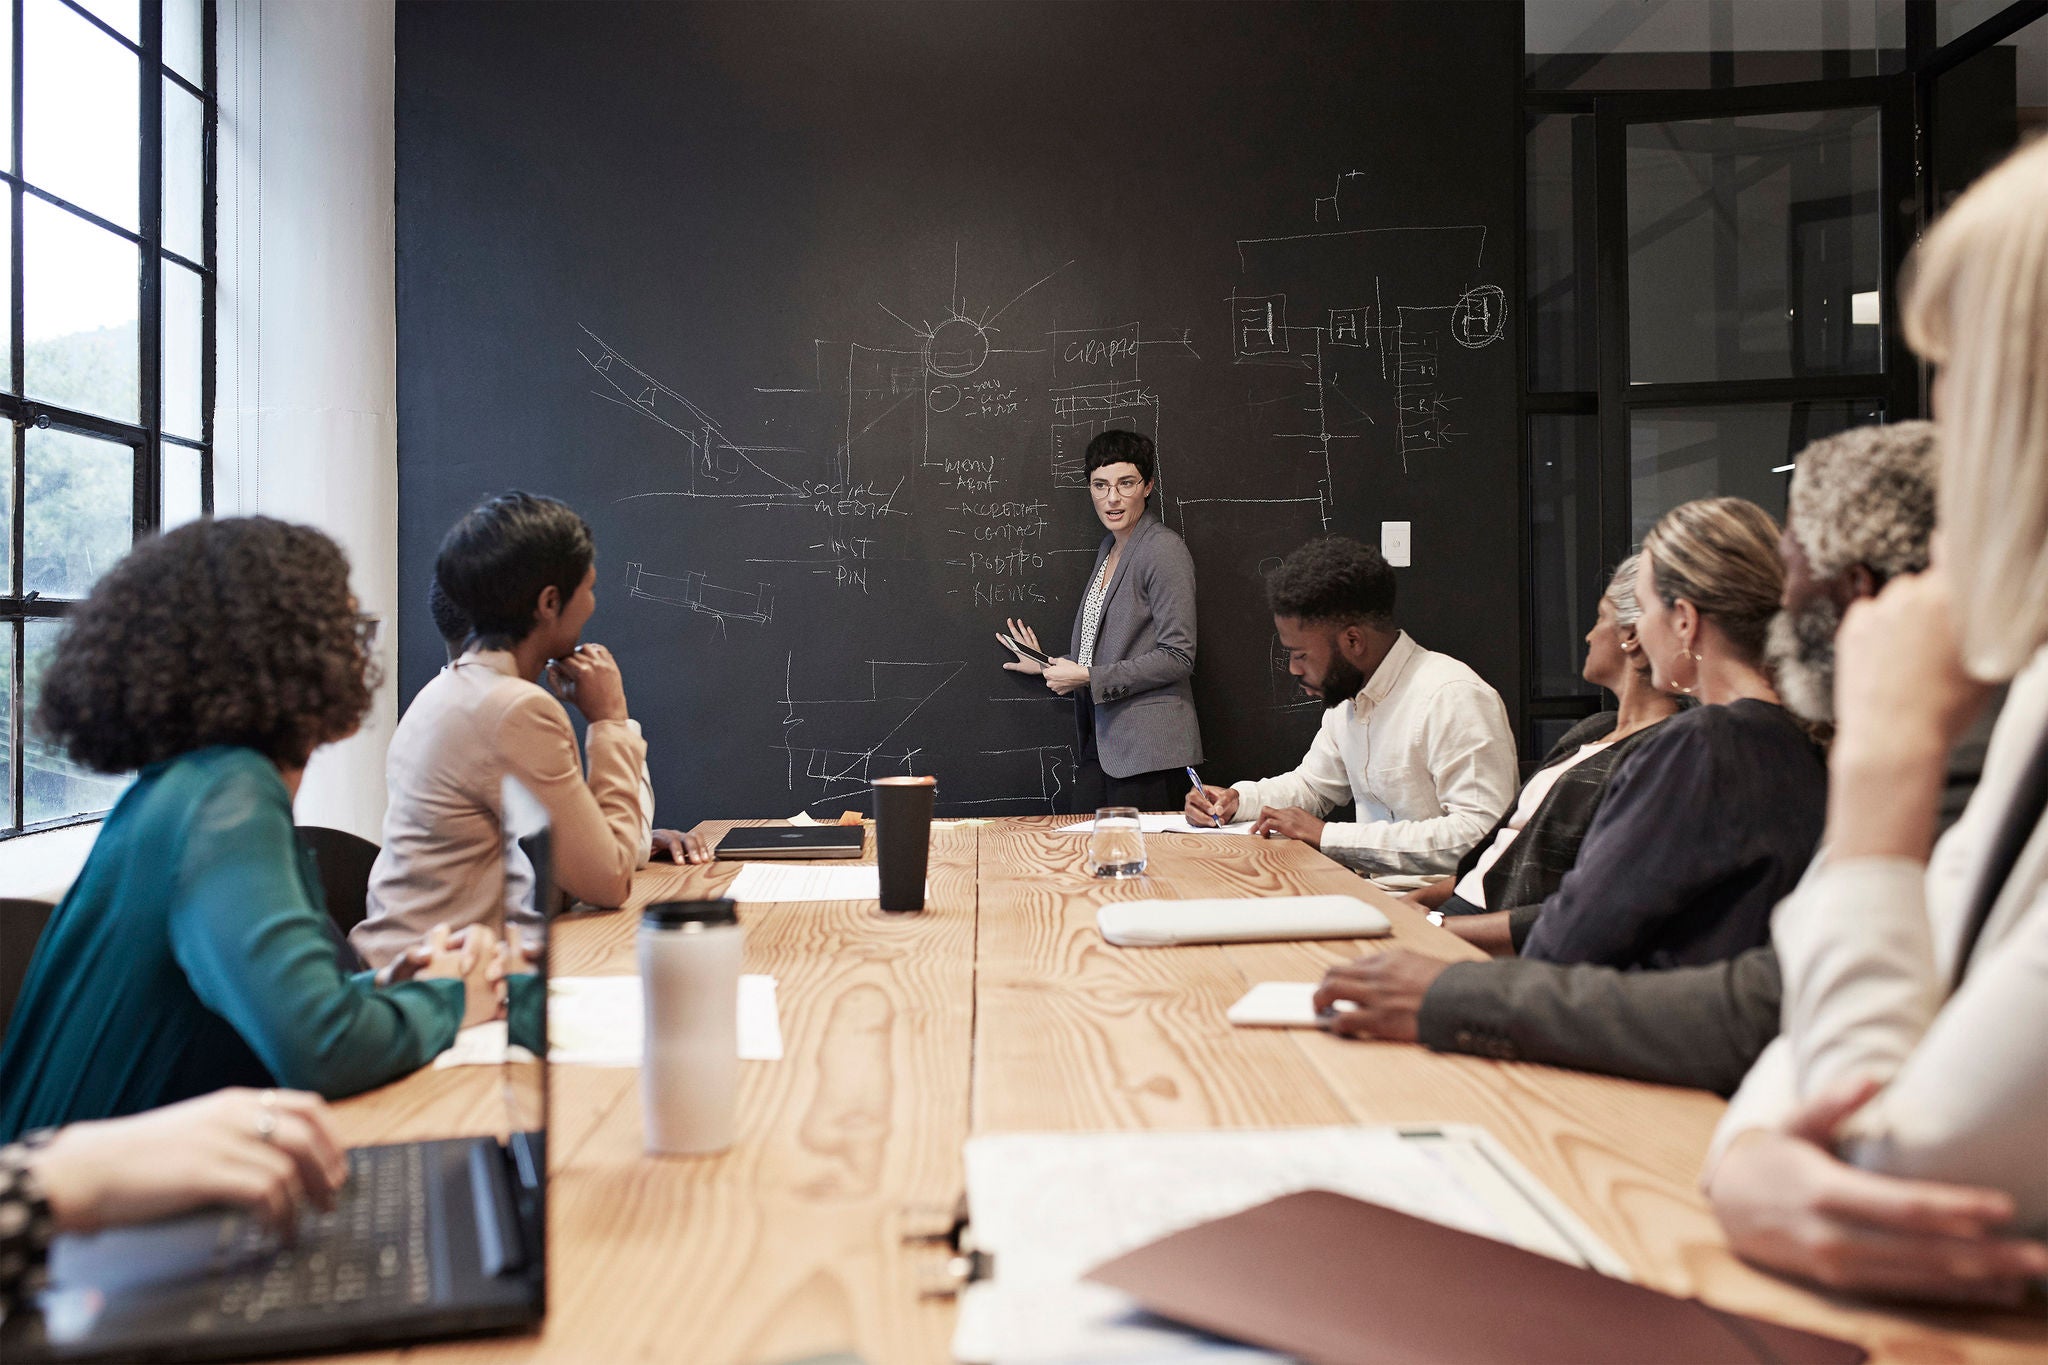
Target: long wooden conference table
[(1001, 1009)]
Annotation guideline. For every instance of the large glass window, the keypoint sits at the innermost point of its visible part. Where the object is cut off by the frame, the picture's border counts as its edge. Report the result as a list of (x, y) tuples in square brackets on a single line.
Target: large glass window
[(1597, 45), (1560, 253), (106, 372), (1567, 574), (1742, 450), (1753, 248)]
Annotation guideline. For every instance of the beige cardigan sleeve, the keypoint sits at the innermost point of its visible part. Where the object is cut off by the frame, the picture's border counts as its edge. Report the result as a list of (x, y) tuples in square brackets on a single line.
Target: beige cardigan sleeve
[(597, 822), (1867, 947)]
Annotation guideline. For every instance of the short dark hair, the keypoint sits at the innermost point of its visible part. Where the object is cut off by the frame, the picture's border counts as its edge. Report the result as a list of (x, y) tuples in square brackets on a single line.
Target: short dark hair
[(494, 563), (239, 631), (1122, 447), (449, 619), (1335, 580)]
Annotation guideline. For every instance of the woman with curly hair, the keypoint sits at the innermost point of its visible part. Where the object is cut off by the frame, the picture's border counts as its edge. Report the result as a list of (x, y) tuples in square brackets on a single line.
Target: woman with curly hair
[(193, 951)]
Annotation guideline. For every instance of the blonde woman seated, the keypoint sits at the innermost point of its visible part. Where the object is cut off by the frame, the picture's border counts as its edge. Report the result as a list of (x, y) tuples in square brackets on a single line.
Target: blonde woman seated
[(1500, 886), (1895, 1137)]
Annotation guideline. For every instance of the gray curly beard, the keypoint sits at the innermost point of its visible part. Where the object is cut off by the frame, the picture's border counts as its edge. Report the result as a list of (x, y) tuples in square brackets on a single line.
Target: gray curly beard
[(1800, 650)]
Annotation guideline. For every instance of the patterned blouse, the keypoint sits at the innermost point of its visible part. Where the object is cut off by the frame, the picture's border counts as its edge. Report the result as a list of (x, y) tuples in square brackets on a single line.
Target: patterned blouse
[(1091, 613)]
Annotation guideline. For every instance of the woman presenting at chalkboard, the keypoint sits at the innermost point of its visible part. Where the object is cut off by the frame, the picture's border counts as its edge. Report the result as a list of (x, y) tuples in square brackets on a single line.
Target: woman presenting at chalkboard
[(1133, 644)]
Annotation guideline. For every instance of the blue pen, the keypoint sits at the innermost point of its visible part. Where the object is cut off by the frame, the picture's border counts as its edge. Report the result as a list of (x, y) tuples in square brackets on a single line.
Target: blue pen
[(1196, 778)]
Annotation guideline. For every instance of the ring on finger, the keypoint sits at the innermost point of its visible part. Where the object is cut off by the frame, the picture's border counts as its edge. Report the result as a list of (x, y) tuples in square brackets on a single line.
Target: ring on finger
[(266, 1117)]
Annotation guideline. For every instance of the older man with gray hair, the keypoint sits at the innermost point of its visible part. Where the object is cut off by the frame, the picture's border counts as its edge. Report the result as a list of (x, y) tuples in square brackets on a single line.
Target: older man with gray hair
[(1862, 512)]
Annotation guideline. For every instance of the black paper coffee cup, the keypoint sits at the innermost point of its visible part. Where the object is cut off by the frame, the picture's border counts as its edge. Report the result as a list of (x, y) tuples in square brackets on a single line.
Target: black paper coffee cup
[(903, 839)]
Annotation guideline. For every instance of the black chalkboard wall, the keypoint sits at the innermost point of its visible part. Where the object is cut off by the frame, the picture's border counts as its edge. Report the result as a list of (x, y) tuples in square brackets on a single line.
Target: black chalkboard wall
[(811, 310)]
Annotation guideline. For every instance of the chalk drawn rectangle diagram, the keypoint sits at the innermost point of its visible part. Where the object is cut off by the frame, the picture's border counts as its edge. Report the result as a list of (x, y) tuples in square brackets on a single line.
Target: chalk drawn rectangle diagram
[(698, 593), (1348, 327), (1095, 355), (1090, 410), (1258, 325)]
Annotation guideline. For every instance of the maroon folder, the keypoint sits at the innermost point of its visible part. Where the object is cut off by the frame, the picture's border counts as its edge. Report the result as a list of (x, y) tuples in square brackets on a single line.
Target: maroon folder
[(1335, 1280)]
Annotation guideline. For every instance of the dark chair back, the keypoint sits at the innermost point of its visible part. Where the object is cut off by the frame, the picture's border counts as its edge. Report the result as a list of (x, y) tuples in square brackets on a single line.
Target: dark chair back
[(21, 927), (344, 861)]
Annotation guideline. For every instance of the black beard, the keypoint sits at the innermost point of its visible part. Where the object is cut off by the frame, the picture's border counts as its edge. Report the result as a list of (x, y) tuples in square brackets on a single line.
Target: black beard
[(1341, 683), (1801, 653)]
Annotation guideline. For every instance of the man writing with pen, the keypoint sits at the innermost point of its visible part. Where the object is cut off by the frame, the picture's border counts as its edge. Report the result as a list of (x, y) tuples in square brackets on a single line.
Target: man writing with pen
[(1414, 739)]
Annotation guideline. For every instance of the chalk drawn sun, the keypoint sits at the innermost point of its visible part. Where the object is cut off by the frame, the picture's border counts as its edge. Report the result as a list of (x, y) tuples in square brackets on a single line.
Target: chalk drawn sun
[(956, 348)]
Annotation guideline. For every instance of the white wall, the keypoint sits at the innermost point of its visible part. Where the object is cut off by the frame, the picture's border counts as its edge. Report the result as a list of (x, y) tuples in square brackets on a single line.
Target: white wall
[(306, 422), (306, 393)]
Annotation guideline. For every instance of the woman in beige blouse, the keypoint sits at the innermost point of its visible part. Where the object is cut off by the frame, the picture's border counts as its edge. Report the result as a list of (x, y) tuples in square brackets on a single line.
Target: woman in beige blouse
[(523, 570), (1895, 1138)]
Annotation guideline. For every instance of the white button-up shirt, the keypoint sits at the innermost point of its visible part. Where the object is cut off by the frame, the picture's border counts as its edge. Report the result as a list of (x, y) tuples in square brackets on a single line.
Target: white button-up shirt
[(1425, 753)]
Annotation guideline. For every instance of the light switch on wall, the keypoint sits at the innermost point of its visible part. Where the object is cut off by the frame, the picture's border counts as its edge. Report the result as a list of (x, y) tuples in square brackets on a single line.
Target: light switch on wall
[(1394, 543)]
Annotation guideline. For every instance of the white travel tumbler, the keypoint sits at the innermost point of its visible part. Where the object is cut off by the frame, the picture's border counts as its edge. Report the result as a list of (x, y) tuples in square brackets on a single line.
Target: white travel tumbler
[(689, 1064)]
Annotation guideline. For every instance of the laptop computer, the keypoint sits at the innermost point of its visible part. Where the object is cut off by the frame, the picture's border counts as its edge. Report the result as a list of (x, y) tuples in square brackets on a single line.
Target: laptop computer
[(792, 841), (429, 1239)]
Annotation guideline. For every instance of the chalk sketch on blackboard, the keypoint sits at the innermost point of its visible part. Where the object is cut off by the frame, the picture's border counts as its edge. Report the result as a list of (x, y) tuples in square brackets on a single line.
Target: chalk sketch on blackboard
[(1095, 387), (836, 744), (1339, 270), (1048, 767), (1479, 258), (699, 594), (717, 466), (1425, 410), (844, 560), (1480, 317), (1336, 213)]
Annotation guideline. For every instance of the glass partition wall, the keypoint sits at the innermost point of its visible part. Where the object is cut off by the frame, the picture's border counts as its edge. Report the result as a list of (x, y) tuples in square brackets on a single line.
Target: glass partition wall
[(1719, 198)]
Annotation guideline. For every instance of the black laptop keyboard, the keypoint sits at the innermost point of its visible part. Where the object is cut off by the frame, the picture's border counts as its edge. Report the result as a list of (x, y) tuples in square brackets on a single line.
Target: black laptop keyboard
[(371, 1250)]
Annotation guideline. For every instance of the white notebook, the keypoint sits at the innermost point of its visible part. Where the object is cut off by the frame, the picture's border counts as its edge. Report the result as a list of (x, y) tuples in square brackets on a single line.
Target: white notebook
[(1263, 919)]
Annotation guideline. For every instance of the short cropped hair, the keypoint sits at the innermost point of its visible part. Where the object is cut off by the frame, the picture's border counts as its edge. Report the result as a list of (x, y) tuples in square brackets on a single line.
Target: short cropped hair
[(494, 563), (1866, 496), (449, 620), (1122, 447), (1334, 580), (239, 631)]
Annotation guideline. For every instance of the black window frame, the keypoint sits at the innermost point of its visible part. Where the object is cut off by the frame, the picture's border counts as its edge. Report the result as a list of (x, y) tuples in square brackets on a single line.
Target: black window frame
[(1905, 104), (144, 437)]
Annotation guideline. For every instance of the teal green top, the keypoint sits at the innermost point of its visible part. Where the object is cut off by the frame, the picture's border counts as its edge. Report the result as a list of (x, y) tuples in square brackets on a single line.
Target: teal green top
[(194, 952)]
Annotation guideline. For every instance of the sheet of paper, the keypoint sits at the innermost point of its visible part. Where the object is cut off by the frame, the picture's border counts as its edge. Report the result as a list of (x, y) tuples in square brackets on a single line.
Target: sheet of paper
[(596, 1021), (1275, 1004), (1052, 1206), (482, 1044), (760, 882), (1169, 824)]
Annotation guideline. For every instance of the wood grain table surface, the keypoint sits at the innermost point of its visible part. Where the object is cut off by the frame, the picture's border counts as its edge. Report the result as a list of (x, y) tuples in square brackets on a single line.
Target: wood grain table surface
[(999, 1009)]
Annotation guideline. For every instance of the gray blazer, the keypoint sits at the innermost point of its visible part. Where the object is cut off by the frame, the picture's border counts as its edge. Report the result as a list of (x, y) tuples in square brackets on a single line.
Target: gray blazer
[(1144, 655)]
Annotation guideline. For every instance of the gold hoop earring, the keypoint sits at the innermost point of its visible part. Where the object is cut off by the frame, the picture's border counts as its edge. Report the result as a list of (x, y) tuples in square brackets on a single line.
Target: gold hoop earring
[(1680, 688)]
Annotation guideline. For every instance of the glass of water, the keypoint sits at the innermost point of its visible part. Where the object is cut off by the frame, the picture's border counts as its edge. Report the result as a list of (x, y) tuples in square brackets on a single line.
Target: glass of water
[(1116, 847)]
